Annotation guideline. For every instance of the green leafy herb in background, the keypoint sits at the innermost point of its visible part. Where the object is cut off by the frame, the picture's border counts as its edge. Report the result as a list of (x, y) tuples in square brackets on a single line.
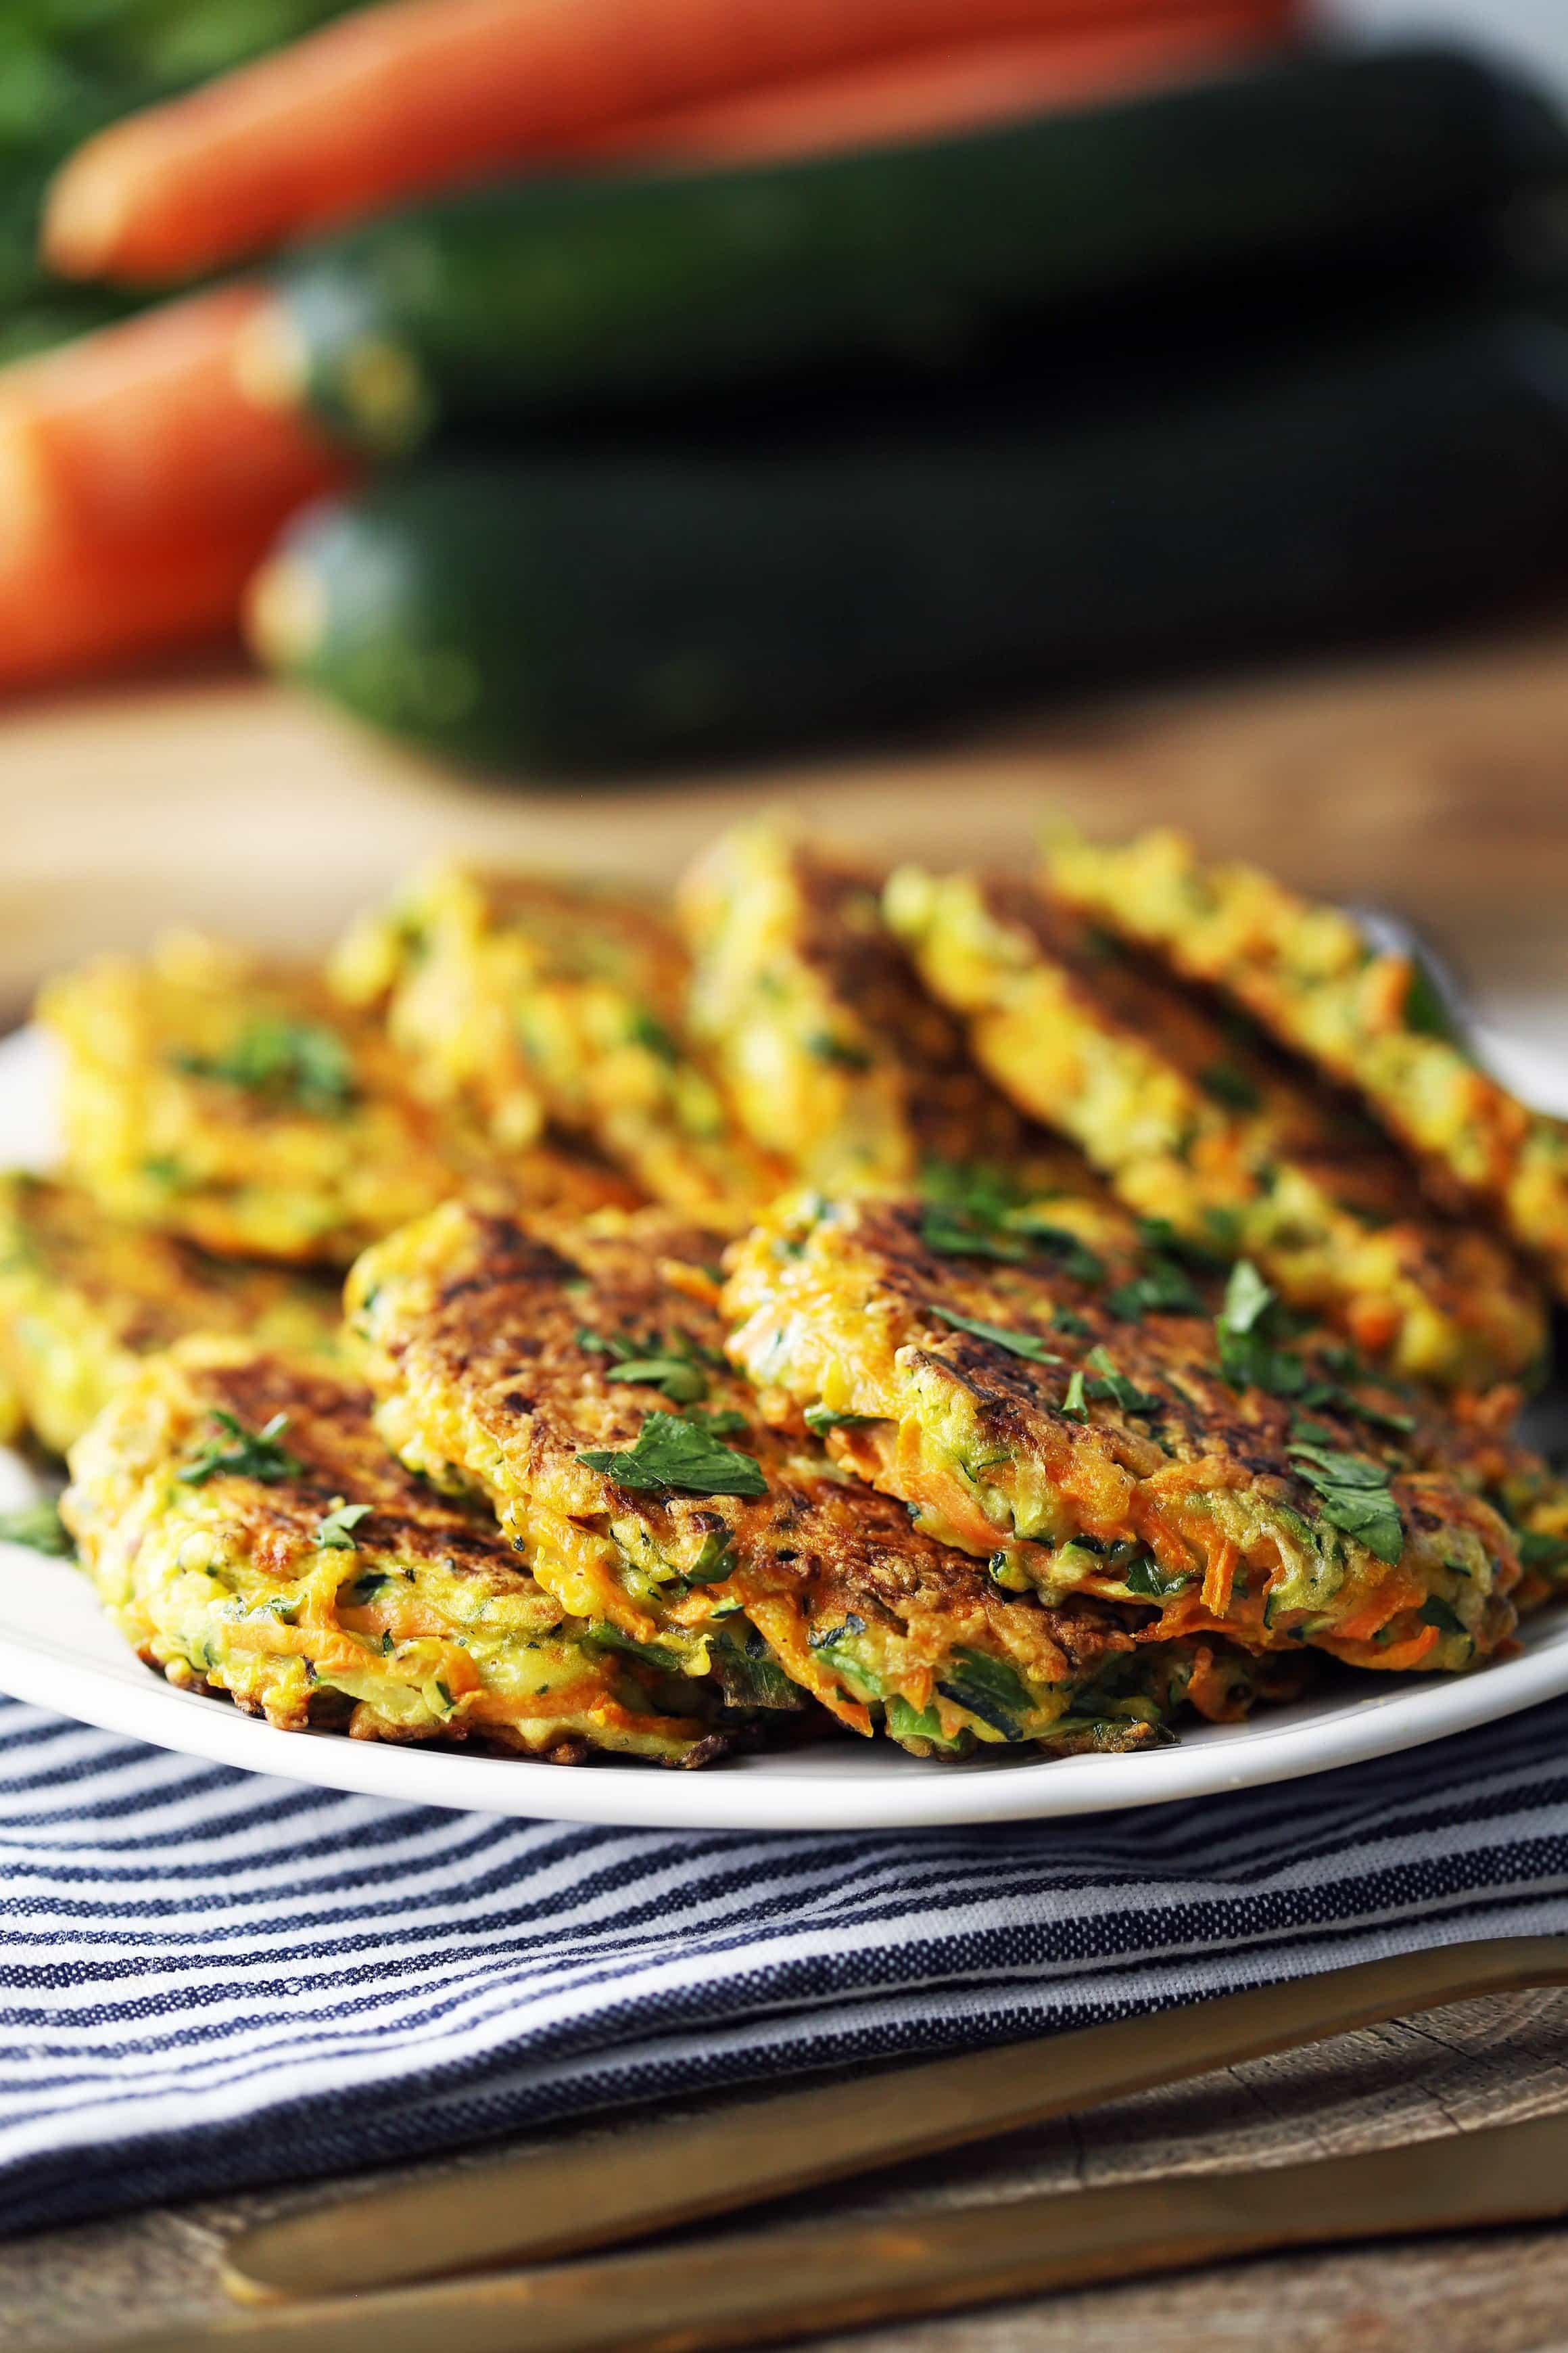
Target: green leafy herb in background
[(1018, 1344), (298, 1062), (38, 1526)]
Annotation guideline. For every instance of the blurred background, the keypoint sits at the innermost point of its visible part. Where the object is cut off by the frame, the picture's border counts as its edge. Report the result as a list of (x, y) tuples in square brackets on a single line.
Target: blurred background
[(549, 430)]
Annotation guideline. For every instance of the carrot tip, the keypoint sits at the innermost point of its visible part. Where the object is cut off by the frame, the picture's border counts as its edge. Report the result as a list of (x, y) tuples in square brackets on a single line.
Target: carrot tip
[(285, 613), (271, 361), (26, 520), (84, 217)]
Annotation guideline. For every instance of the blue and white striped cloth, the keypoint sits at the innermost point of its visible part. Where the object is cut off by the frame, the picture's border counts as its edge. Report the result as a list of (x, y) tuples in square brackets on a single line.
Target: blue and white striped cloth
[(211, 1979)]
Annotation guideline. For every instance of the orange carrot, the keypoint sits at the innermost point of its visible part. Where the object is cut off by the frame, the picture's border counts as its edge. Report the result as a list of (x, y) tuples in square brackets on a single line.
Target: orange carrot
[(935, 90), (421, 94), (141, 432), (88, 610)]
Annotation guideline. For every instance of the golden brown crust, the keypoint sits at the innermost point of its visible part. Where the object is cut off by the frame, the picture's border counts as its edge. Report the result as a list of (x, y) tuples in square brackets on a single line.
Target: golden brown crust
[(1366, 1018), (490, 1344), (515, 997), (1095, 1419), (209, 1502), (835, 1057), (234, 1102), (1198, 1120), (82, 1297)]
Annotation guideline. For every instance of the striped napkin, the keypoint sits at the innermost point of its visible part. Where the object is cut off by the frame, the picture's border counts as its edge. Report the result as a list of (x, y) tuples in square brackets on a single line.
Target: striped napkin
[(212, 1979)]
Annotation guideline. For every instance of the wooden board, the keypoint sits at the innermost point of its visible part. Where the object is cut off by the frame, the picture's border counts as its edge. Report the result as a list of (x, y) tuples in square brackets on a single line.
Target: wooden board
[(1438, 785)]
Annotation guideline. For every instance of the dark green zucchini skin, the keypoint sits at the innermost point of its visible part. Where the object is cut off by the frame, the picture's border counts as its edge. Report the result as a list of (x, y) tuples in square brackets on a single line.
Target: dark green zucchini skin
[(607, 609), (550, 296)]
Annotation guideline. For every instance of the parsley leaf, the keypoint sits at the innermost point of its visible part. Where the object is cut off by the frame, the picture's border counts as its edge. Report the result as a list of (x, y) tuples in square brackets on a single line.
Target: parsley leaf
[(38, 1526), (1116, 1386), (1073, 1402), (675, 1366), (1355, 1495), (1248, 1299), (1224, 1084), (953, 1234), (1436, 1612), (682, 1382), (250, 1454), (647, 1030), (1164, 1289), (1018, 1344), (674, 1455), (335, 1532), (824, 1047), (1064, 1248), (820, 1417), (1160, 1235), (1538, 1550), (303, 1061)]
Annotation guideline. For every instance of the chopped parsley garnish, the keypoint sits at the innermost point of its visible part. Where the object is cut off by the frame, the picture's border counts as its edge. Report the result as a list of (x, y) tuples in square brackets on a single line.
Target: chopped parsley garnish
[(248, 1454), (1436, 1612), (1164, 1289), (38, 1526), (1074, 1403), (1116, 1389), (976, 1224), (676, 1367), (1426, 1010), (1076, 1327), (822, 1418), (1157, 1234), (1224, 1084), (1063, 1249), (1355, 1495), (953, 1234), (1248, 1357), (1018, 1344), (300, 1062), (674, 1454), (840, 1052), (1537, 1550), (1149, 1581), (647, 1030), (335, 1531), (1248, 1300)]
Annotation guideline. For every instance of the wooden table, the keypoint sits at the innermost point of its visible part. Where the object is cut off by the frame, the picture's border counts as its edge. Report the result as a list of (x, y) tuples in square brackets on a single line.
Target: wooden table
[(1438, 785)]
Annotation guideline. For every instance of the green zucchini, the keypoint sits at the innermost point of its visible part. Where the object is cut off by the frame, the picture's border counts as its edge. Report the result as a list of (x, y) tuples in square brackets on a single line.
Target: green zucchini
[(549, 297), (606, 607)]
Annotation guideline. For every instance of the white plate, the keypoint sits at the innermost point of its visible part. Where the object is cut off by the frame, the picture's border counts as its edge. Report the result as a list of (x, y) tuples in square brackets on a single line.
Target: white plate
[(58, 1651)]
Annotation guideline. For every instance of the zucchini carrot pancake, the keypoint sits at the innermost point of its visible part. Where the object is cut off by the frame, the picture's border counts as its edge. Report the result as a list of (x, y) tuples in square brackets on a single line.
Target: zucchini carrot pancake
[(1198, 1120), (1089, 1429), (84, 1298), (838, 1061), (575, 1376), (250, 1535), (233, 1103), (520, 998), (1370, 1019)]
